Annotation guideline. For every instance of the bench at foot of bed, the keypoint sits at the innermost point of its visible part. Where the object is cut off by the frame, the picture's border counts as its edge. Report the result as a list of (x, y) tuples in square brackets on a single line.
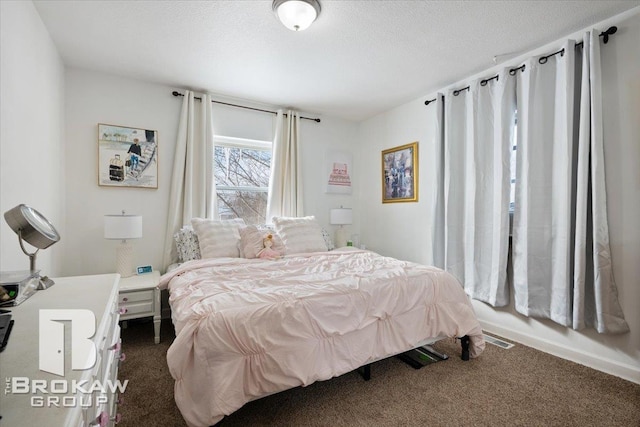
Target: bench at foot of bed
[(365, 370)]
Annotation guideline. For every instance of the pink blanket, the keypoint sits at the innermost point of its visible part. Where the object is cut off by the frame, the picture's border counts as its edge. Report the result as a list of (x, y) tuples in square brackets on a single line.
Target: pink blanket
[(249, 328)]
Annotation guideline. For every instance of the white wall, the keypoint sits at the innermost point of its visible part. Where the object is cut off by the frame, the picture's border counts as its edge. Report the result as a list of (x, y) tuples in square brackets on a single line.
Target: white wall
[(317, 139), (403, 230), (32, 144), (94, 98)]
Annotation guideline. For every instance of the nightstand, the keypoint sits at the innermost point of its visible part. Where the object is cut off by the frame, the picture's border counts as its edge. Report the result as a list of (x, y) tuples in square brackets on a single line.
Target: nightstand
[(139, 296)]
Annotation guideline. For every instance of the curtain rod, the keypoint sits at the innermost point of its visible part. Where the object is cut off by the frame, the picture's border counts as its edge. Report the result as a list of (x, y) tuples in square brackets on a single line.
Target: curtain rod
[(542, 60), (176, 93)]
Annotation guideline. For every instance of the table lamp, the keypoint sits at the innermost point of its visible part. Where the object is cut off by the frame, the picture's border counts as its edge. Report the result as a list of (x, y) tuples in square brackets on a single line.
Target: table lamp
[(341, 217), (123, 227)]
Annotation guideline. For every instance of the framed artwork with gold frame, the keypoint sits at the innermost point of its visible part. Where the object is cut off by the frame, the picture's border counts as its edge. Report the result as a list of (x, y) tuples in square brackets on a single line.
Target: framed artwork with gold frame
[(400, 174), (127, 157)]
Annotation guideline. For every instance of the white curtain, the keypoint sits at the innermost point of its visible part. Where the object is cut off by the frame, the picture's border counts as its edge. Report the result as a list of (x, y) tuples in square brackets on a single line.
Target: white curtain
[(479, 124), (285, 181), (437, 212), (192, 187), (542, 240), (595, 296), (561, 256)]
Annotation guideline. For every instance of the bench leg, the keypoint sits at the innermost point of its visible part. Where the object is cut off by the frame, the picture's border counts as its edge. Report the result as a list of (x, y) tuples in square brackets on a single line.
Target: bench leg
[(365, 371), (465, 340)]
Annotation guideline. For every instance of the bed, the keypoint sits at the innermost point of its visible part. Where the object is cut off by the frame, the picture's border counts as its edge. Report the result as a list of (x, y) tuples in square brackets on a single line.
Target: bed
[(248, 328)]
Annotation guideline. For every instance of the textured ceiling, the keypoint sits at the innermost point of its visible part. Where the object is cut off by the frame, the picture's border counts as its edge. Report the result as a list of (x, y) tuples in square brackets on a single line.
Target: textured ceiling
[(358, 59)]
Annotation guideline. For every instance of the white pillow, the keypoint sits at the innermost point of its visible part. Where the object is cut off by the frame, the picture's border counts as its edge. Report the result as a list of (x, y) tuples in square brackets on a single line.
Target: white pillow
[(251, 241), (300, 235), (218, 238)]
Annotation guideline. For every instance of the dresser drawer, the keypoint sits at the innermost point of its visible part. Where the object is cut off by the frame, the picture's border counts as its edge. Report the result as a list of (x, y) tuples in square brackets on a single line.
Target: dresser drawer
[(125, 298)]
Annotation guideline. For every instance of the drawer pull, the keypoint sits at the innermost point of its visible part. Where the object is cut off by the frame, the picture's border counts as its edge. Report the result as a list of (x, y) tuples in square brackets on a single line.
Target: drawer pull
[(102, 420), (123, 310), (125, 299), (116, 346), (123, 357)]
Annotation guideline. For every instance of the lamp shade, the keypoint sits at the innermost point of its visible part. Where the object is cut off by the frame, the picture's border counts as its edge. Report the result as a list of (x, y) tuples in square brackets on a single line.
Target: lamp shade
[(296, 15), (341, 216), (122, 227)]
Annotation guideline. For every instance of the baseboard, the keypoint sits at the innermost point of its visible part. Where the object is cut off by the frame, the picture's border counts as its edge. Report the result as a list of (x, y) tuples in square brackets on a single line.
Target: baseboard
[(622, 370)]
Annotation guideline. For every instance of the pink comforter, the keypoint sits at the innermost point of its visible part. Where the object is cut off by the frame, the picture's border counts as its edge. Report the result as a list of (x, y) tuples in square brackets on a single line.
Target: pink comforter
[(249, 328)]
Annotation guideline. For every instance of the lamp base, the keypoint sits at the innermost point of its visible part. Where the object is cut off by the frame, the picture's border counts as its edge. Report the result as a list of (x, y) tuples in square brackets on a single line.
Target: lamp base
[(124, 265), (45, 283), (341, 237)]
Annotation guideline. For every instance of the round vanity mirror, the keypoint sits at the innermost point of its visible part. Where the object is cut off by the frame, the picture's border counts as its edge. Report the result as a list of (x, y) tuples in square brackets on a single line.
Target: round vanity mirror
[(32, 226)]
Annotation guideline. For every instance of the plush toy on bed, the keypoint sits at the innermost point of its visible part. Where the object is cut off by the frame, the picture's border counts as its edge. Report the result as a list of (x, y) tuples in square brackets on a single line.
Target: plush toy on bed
[(268, 252)]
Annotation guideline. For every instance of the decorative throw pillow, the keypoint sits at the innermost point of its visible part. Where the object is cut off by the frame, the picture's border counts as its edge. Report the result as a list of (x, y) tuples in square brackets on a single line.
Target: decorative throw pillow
[(327, 240), (266, 227), (218, 238), (251, 238), (187, 244), (300, 235)]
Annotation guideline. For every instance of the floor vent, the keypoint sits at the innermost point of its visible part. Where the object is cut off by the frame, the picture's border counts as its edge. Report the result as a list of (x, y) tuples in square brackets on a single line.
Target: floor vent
[(498, 342)]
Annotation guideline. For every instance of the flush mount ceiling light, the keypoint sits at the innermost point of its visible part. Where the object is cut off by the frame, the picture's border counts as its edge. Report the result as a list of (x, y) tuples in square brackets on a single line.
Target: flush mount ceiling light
[(296, 15)]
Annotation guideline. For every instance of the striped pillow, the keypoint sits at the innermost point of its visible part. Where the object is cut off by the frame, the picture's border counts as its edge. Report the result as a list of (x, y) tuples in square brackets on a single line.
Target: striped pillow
[(300, 235), (218, 238)]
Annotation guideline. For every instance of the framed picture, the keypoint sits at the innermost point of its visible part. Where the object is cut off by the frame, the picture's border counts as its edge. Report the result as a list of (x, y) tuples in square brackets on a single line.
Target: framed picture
[(127, 157), (400, 174), (338, 172)]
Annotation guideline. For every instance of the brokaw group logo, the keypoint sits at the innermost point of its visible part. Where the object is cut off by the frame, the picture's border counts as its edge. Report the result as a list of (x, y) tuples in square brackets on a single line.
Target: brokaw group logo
[(91, 392), (51, 343)]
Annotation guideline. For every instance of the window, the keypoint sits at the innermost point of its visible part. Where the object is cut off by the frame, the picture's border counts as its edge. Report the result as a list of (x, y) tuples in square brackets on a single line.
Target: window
[(241, 169)]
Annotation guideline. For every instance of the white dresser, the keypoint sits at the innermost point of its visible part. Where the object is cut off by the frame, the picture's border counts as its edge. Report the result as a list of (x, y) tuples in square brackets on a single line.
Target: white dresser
[(34, 397)]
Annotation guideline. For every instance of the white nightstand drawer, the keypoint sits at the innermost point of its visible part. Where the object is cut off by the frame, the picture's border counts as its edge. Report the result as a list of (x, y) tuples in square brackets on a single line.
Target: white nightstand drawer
[(128, 297), (140, 297), (137, 309)]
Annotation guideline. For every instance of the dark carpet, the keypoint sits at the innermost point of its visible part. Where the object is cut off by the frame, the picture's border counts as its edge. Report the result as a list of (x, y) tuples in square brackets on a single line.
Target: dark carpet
[(515, 387)]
